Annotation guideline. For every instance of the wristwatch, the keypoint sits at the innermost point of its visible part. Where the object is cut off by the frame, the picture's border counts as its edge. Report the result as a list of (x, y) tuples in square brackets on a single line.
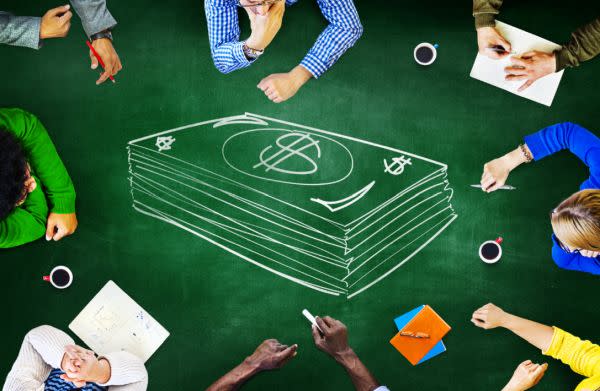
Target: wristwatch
[(102, 34), (251, 54)]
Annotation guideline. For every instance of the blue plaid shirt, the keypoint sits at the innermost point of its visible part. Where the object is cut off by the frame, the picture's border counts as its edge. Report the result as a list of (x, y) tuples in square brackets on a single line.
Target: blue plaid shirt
[(226, 48)]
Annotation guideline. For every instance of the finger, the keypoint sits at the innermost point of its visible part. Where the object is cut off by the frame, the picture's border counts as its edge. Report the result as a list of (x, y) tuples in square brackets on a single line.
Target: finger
[(512, 70), (60, 233), (528, 54), (478, 322), (487, 183), (66, 17), (322, 325), (526, 85), (317, 337), (50, 230), (288, 352), (329, 320), (526, 362), (278, 100), (59, 10), (117, 67), (94, 60), (516, 77), (495, 187), (518, 61), (506, 45), (272, 95), (264, 83), (103, 77)]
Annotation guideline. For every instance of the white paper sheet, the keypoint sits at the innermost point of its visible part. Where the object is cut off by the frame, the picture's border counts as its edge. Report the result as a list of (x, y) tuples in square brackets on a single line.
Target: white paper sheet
[(492, 71), (113, 322)]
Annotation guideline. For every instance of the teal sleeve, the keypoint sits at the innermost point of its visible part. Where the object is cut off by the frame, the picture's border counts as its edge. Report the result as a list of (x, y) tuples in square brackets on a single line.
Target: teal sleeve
[(26, 223), (42, 157)]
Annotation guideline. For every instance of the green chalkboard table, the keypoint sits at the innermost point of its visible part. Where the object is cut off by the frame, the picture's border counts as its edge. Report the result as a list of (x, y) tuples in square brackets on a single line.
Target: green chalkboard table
[(219, 307)]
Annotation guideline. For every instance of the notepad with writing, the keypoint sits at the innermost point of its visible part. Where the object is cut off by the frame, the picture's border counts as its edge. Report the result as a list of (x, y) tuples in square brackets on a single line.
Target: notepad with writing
[(427, 321), (491, 71)]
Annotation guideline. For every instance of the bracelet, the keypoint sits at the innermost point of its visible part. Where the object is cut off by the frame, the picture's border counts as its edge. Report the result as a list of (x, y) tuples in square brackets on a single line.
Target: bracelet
[(526, 153)]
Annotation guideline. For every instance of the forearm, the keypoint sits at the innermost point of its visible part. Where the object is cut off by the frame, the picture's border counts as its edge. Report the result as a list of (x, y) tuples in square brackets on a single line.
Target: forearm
[(94, 15), (584, 45), (537, 334), (235, 378), (20, 30), (359, 374), (485, 12)]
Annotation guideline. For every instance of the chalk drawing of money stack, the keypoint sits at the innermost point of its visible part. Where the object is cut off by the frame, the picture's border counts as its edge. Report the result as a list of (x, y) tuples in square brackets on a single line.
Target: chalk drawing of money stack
[(328, 211)]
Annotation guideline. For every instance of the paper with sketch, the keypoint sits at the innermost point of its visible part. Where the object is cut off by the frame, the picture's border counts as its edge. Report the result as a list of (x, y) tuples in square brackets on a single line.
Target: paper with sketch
[(112, 322), (492, 71)]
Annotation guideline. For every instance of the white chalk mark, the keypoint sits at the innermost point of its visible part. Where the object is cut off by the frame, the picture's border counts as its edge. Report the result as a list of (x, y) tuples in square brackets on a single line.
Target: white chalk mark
[(341, 254), (344, 202), (164, 143)]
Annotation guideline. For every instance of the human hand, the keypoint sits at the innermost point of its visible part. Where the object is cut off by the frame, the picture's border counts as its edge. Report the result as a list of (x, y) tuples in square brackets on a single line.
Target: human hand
[(488, 37), (279, 87), (530, 67), (29, 186), (526, 376), (495, 172), (60, 225), (333, 339), (264, 26), (81, 366), (489, 317), (56, 22), (108, 54), (271, 354)]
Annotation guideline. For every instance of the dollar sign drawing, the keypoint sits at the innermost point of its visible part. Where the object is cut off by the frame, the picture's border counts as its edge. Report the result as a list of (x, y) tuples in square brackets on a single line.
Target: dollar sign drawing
[(397, 166), (298, 143)]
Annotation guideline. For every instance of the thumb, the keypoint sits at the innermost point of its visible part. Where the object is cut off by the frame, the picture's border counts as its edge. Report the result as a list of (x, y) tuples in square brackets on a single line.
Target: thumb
[(505, 44), (94, 60), (50, 230), (58, 10), (287, 353)]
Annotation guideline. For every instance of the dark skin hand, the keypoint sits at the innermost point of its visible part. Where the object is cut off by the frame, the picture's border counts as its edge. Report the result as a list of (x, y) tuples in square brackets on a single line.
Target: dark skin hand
[(334, 341), (269, 355)]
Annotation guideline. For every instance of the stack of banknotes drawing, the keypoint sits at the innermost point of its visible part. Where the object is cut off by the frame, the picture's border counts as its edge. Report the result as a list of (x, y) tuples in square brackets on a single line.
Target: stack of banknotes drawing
[(328, 211)]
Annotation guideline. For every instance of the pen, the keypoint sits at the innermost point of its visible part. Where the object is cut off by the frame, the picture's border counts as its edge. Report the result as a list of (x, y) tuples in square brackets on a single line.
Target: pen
[(414, 335), (89, 44), (504, 187)]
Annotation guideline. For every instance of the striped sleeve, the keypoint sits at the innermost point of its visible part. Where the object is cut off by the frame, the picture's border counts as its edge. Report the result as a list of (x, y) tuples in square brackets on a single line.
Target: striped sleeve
[(224, 35), (342, 33)]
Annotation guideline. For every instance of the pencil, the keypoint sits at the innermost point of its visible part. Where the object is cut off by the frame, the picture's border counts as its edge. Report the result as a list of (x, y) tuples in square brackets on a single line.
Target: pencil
[(89, 44)]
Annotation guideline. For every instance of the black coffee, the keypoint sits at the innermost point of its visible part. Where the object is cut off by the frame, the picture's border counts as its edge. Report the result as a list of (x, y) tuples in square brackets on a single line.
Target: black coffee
[(60, 277), (424, 54), (490, 251)]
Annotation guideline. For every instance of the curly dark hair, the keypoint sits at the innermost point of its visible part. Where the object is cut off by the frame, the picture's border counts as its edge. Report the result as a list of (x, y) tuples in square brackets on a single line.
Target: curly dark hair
[(13, 168)]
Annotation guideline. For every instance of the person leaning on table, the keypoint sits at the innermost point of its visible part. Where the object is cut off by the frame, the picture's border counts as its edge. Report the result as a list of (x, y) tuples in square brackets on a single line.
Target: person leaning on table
[(582, 356), (530, 66), (230, 54), (273, 355), (576, 220), (49, 361)]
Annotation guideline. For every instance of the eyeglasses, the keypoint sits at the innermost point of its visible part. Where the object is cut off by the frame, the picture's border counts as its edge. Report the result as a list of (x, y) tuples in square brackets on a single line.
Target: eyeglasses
[(257, 4)]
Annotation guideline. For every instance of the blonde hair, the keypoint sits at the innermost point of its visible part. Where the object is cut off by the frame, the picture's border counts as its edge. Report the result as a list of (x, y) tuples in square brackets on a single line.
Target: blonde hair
[(576, 221)]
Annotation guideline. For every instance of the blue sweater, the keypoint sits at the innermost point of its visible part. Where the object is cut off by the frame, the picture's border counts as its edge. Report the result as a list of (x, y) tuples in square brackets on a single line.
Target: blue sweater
[(586, 146)]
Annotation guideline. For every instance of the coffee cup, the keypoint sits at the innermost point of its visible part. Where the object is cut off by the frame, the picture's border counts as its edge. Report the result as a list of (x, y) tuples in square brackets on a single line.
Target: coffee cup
[(491, 251), (425, 53), (60, 277)]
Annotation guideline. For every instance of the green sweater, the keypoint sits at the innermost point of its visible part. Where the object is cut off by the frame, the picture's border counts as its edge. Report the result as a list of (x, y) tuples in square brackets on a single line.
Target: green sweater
[(584, 43), (28, 221)]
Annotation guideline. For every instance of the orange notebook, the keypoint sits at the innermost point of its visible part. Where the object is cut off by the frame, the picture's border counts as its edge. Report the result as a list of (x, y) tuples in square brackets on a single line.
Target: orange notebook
[(426, 322)]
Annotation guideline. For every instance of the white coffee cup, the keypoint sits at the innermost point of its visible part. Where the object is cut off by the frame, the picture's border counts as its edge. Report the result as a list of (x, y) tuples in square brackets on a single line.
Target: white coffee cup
[(496, 247), (58, 275), (431, 47)]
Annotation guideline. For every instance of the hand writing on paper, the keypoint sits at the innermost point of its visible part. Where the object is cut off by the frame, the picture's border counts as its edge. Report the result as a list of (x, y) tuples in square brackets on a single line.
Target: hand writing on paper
[(488, 37), (526, 376), (271, 354), (108, 54), (530, 67), (56, 22), (60, 225)]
